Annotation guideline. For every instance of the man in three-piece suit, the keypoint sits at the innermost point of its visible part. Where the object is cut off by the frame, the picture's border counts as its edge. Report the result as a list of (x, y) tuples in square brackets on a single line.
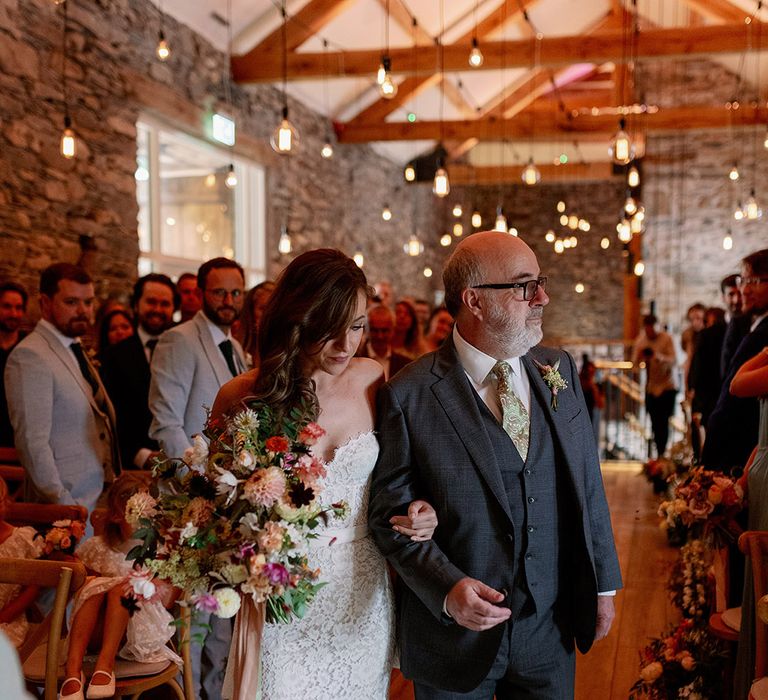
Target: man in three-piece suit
[(125, 367), (381, 330), (190, 364), (62, 418), (486, 431), (732, 429)]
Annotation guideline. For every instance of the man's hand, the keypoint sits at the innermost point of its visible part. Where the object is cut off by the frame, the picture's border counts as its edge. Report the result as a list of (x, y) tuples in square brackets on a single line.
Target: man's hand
[(475, 606), (605, 614)]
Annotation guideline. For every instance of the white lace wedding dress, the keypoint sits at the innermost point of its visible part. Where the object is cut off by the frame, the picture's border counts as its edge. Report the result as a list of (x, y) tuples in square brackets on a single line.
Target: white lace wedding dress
[(343, 648)]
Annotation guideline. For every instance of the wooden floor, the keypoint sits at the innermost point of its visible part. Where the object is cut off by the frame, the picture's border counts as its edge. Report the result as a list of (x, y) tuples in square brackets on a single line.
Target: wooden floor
[(642, 608)]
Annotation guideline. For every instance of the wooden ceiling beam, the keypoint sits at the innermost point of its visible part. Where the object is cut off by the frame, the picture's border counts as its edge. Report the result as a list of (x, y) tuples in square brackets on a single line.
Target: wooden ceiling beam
[(546, 125), (303, 25), (493, 175), (554, 51), (717, 10)]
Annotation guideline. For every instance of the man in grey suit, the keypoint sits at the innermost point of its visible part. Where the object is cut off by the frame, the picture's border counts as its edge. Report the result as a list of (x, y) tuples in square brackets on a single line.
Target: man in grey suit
[(190, 364), (522, 563), (62, 418)]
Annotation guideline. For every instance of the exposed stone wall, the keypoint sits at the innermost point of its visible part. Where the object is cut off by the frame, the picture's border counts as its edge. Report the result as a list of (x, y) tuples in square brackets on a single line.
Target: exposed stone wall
[(47, 202)]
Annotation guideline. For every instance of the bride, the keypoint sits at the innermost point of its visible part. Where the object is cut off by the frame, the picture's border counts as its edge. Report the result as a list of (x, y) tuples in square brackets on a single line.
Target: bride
[(310, 331)]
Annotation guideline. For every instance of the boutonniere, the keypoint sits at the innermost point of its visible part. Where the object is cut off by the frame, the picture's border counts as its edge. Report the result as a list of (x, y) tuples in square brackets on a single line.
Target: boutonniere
[(552, 378)]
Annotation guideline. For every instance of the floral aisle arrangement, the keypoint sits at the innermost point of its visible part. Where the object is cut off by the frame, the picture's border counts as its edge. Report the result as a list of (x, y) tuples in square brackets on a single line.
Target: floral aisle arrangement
[(62, 537), (234, 517), (705, 504), (658, 471), (685, 663), (690, 584)]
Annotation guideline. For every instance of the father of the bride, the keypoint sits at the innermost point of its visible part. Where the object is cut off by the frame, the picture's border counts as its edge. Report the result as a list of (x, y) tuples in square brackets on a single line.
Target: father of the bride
[(492, 430)]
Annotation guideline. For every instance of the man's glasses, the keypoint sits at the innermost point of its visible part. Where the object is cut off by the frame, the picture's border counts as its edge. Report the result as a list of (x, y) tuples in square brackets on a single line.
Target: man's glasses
[(221, 294), (744, 281), (530, 287)]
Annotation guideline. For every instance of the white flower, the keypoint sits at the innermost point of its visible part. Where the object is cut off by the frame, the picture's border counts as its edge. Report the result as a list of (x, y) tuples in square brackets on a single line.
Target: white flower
[(61, 523), (142, 585), (228, 600), (226, 483), (246, 421), (249, 524), (196, 456), (246, 459), (189, 530)]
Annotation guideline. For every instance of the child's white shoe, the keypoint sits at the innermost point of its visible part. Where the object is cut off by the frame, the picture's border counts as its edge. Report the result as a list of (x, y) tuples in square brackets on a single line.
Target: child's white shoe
[(101, 691), (78, 694)]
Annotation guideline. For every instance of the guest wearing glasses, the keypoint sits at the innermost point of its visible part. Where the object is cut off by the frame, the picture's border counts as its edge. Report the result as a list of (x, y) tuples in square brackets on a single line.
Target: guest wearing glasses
[(732, 429), (190, 364)]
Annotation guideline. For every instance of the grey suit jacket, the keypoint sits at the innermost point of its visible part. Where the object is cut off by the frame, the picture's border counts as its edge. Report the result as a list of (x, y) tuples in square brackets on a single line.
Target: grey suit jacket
[(66, 441), (434, 446), (188, 370)]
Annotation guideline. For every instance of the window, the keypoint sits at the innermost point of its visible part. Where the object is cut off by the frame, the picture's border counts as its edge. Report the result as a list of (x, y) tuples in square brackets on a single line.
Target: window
[(187, 213)]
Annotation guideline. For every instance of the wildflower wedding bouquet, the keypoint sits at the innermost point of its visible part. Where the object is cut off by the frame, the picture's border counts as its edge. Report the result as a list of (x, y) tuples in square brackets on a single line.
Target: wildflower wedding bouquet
[(233, 517)]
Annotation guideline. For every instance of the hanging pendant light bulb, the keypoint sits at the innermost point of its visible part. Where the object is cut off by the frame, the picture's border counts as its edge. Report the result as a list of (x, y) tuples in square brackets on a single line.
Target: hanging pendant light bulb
[(550, 236), (476, 57), (284, 245), (285, 138), (458, 230), (327, 150), (387, 87), (359, 258), (386, 213), (409, 173), (445, 240), (625, 231), (59, 2), (559, 246), (621, 149), (728, 241), (605, 243), (561, 206), (231, 180), (630, 205), (427, 271), (639, 268), (414, 246), (441, 185), (381, 73), (751, 210), (477, 220), (633, 177), (457, 210), (531, 174), (68, 143), (163, 51), (733, 173), (635, 225), (501, 221), (738, 213), (765, 141)]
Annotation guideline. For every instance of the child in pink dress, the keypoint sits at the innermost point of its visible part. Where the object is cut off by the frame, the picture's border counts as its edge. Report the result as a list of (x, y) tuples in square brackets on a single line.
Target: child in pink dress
[(99, 616)]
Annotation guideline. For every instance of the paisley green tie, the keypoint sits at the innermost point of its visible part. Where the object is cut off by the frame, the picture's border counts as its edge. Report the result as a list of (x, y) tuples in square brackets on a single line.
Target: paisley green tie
[(515, 419)]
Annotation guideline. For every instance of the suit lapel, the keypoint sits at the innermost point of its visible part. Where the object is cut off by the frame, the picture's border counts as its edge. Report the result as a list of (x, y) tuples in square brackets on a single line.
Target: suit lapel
[(212, 351), (67, 358), (459, 402)]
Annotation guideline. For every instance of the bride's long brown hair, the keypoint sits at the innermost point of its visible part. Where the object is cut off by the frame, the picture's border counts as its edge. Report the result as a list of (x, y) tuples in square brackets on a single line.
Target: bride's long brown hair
[(315, 299)]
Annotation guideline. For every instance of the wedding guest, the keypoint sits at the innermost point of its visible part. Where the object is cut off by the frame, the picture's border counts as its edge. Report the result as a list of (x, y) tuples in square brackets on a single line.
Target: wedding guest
[(733, 425), (116, 325), (593, 394), (522, 566), (423, 312), (751, 381), (384, 293), (312, 326), (191, 362), (739, 321), (246, 328), (407, 339), (16, 543), (381, 329), (705, 379), (688, 338), (63, 420), (440, 326), (190, 301), (13, 311), (99, 622), (125, 367), (655, 349)]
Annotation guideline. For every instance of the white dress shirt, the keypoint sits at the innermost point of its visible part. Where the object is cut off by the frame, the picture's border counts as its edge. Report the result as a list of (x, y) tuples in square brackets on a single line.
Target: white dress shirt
[(219, 336)]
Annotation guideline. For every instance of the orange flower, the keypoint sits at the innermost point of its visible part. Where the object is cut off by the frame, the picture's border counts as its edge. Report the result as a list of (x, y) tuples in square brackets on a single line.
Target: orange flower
[(277, 443)]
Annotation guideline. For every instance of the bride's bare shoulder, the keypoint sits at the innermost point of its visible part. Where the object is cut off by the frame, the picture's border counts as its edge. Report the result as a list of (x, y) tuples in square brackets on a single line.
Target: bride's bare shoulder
[(234, 391), (365, 370)]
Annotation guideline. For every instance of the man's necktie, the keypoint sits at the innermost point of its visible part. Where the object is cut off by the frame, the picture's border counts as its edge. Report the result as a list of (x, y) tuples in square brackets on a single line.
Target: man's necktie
[(515, 419), (229, 355), (151, 344), (85, 368)]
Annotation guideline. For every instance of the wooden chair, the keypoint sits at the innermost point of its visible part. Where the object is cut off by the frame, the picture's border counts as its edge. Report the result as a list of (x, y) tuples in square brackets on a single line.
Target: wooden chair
[(20, 513), (724, 622), (755, 545), (45, 641)]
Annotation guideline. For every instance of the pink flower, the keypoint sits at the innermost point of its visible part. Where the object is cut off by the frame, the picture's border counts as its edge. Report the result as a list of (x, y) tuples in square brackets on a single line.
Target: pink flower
[(700, 510), (311, 433), (714, 494), (277, 574), (264, 487), (206, 603), (277, 443), (271, 537), (310, 470)]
